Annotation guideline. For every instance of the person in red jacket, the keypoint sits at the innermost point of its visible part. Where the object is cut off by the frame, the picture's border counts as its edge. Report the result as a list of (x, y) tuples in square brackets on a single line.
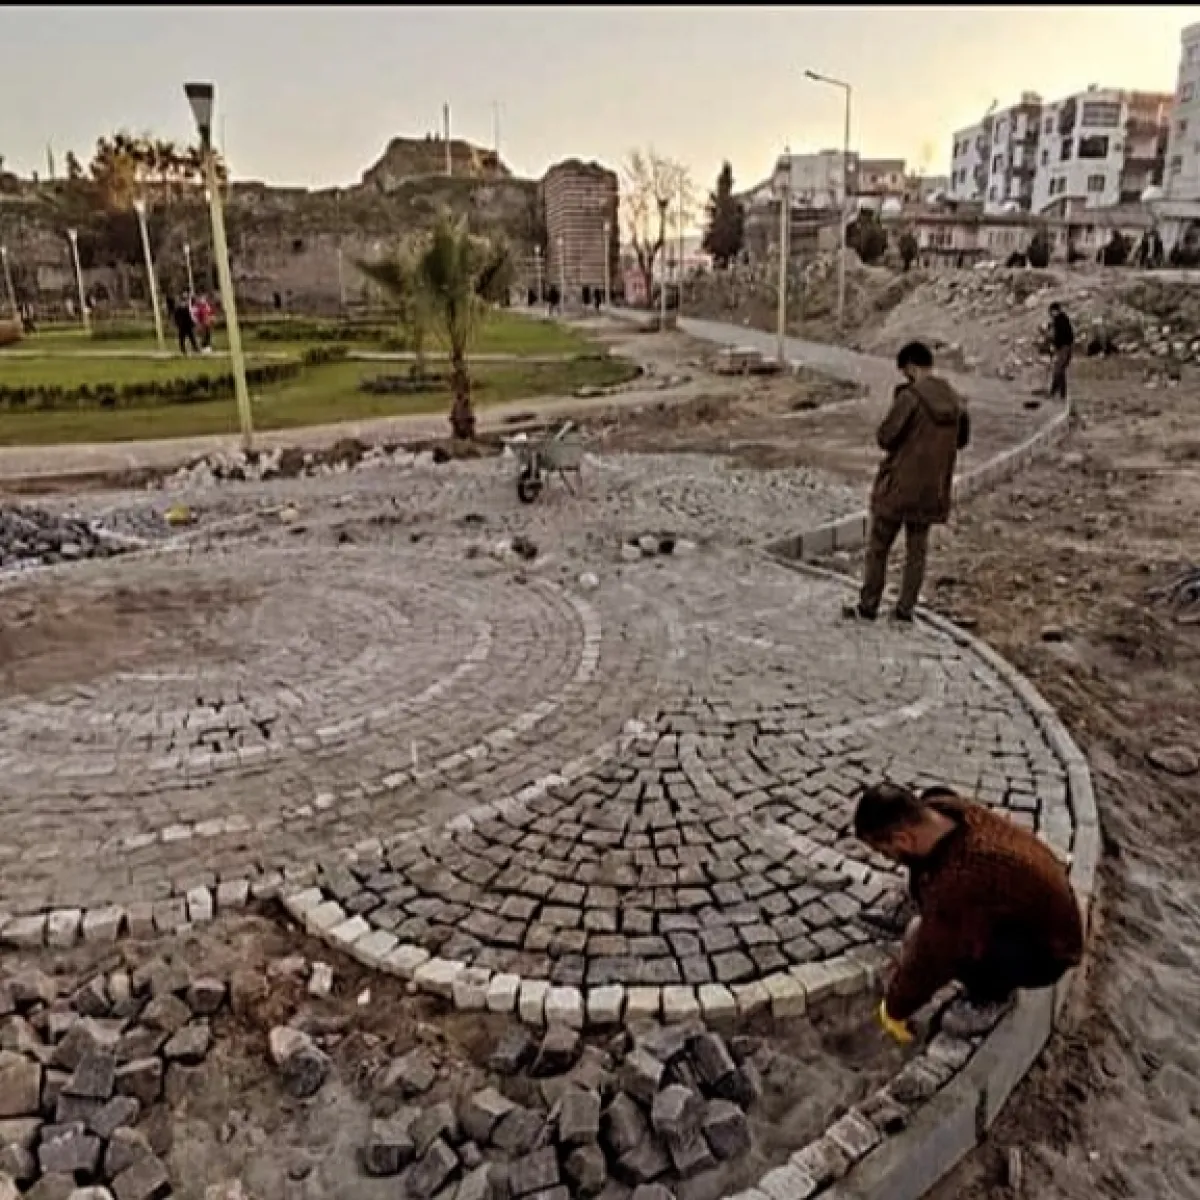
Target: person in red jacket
[(996, 909)]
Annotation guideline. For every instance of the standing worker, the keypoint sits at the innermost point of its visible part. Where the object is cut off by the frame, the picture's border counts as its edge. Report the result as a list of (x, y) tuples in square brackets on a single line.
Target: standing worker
[(1062, 337), (185, 325), (920, 437), (996, 908)]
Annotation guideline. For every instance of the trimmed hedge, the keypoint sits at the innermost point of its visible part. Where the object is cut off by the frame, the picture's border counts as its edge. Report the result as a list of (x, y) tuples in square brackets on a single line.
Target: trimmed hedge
[(301, 330), (149, 393)]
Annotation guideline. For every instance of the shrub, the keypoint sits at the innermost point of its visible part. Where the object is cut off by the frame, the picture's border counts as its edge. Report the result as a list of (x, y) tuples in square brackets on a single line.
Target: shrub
[(1116, 253), (149, 393), (320, 356), (867, 237), (317, 331)]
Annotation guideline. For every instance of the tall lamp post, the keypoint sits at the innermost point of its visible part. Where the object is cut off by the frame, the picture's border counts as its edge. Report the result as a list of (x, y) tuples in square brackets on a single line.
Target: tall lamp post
[(73, 238), (785, 254), (537, 273), (562, 272), (8, 283), (841, 290), (139, 207), (187, 262), (607, 266), (200, 96)]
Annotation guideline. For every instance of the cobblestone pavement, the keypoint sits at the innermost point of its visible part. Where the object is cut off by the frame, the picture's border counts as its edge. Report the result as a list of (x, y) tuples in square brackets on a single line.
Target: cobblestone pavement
[(645, 782)]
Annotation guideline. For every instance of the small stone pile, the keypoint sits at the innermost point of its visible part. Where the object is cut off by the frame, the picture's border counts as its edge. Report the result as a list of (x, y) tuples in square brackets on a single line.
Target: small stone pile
[(32, 537), (655, 1113), (80, 1072), (293, 463)]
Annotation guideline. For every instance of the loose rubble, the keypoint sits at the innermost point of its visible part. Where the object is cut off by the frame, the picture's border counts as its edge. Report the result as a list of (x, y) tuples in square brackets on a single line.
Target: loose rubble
[(558, 1118), (33, 537), (81, 1071)]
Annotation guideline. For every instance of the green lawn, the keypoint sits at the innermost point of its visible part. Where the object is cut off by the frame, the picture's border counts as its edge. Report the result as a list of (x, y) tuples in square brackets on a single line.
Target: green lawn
[(321, 395), (505, 332)]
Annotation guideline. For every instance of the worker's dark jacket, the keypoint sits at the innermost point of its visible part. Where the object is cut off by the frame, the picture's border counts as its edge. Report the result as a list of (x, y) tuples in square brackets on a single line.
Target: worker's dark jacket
[(988, 886), (1062, 331), (921, 436)]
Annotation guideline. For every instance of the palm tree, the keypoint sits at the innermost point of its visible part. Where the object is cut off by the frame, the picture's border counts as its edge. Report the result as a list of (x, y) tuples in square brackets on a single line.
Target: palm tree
[(457, 276)]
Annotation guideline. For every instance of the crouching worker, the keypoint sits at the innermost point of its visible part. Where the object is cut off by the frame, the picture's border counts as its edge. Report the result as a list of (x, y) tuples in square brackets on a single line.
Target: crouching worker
[(996, 908)]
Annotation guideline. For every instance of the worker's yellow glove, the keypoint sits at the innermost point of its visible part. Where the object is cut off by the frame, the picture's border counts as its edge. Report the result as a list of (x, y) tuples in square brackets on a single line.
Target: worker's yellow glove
[(897, 1030)]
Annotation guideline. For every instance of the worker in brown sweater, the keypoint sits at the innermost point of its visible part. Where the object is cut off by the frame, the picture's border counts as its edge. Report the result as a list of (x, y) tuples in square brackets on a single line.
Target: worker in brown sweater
[(996, 908)]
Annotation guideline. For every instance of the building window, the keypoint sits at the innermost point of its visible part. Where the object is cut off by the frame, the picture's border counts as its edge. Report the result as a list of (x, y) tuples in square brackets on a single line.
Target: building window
[(1045, 157), (1095, 183), (1181, 128), (1093, 147), (1176, 164), (1101, 114), (1186, 93), (1064, 151), (1048, 126)]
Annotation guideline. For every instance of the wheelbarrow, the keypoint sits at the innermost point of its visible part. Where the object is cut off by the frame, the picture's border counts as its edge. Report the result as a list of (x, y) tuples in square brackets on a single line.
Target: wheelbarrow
[(559, 453)]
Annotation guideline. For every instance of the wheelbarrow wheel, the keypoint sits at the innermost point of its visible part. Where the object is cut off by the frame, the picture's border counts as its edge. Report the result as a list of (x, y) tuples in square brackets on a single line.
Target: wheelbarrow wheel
[(529, 485)]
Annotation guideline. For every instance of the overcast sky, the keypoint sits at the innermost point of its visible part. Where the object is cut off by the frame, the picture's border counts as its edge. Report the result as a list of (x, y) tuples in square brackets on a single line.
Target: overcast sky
[(311, 95)]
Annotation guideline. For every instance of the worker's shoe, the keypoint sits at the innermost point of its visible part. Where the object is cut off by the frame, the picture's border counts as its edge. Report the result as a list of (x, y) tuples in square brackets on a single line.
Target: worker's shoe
[(905, 618), (965, 1019), (856, 612)]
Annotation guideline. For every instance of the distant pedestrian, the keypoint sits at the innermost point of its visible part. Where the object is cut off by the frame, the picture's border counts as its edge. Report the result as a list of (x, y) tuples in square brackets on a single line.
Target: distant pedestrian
[(185, 325), (553, 299), (597, 297), (1062, 338), (921, 436), (202, 312)]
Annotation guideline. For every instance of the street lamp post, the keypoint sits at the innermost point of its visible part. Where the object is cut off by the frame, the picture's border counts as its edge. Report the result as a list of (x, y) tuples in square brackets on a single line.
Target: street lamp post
[(562, 272), (200, 97), (537, 273), (187, 262), (679, 277), (845, 215), (607, 266), (8, 283), (663, 202), (785, 253), (73, 238), (139, 207)]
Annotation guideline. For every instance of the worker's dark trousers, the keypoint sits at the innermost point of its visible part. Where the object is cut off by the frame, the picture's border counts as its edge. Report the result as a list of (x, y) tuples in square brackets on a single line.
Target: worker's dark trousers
[(884, 531), (1058, 374), (188, 337), (1010, 963)]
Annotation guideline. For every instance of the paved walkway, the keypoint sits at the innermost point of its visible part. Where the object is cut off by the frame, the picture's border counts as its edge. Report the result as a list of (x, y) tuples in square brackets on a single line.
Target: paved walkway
[(843, 437)]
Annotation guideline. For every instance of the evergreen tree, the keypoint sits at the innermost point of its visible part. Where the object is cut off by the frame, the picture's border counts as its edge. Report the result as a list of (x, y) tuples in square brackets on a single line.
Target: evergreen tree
[(726, 230)]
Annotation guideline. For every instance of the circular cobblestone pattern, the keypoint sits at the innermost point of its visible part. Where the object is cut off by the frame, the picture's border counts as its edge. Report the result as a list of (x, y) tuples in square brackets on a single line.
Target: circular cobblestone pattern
[(647, 783)]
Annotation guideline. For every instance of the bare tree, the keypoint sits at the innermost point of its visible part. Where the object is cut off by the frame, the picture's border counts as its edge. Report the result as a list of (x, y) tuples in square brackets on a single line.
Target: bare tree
[(653, 189)]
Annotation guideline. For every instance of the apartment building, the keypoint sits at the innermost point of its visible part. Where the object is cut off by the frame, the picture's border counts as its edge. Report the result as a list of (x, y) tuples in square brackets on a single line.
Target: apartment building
[(1100, 148), (1095, 149), (815, 180), (969, 162), (580, 204), (1181, 180)]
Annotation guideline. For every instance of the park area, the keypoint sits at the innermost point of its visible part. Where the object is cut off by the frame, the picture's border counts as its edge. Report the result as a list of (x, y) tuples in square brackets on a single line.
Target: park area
[(111, 384)]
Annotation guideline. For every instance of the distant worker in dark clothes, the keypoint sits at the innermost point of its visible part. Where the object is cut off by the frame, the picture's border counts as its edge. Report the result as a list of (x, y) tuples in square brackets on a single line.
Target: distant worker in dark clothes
[(996, 908), (1062, 338), (921, 436), (185, 325)]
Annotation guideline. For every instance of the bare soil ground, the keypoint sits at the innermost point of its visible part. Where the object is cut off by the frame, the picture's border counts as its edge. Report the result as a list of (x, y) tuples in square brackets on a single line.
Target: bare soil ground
[(227, 1120)]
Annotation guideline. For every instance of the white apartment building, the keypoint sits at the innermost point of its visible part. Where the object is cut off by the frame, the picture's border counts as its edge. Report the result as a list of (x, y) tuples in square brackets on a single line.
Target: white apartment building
[(1099, 148), (815, 180), (1095, 149), (1181, 180), (968, 175)]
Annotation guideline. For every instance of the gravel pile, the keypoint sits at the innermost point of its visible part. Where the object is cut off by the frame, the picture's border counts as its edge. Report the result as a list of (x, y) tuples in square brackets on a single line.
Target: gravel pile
[(32, 537), (81, 1072)]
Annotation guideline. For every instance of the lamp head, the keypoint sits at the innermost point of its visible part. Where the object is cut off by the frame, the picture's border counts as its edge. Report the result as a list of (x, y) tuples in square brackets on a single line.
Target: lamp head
[(73, 235), (139, 207), (200, 97)]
